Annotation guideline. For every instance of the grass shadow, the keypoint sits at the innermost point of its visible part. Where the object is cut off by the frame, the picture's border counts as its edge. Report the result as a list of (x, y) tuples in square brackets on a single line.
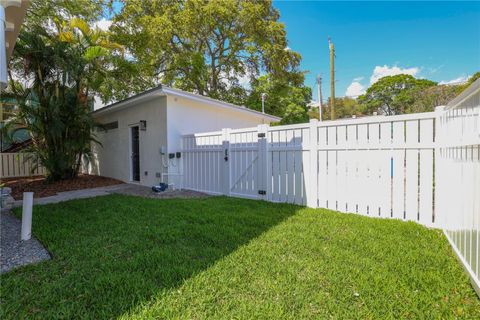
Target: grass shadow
[(115, 252)]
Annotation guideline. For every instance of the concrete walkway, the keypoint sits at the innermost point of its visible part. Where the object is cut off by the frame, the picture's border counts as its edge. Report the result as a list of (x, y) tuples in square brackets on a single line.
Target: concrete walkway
[(76, 194), (125, 188)]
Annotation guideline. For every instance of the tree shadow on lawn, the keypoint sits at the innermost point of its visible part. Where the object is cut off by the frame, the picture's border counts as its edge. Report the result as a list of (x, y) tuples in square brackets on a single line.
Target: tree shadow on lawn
[(113, 253)]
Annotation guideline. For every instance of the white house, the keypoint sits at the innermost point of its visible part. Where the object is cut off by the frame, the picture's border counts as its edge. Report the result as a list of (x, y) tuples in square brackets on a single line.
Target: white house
[(141, 138), (12, 13)]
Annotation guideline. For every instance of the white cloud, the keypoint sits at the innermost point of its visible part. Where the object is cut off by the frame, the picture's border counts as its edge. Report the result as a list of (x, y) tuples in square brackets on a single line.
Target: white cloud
[(103, 24), (355, 89), (459, 80), (358, 86), (380, 72)]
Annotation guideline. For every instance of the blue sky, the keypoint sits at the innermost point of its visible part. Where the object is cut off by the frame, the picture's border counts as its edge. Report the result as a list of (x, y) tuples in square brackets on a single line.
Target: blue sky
[(437, 40), (434, 40)]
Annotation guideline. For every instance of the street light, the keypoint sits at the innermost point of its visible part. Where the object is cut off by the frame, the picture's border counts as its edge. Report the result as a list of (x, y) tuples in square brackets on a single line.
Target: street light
[(263, 102)]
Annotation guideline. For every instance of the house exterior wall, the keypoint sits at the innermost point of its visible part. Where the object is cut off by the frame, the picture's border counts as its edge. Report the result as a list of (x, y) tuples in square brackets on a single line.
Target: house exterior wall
[(168, 118), (186, 116), (113, 158)]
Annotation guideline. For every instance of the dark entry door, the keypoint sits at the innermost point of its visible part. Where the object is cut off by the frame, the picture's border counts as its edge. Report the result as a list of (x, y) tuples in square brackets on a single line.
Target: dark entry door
[(135, 154)]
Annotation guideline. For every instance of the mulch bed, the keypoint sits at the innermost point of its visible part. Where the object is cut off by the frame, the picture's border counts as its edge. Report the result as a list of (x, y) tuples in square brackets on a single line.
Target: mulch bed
[(42, 189)]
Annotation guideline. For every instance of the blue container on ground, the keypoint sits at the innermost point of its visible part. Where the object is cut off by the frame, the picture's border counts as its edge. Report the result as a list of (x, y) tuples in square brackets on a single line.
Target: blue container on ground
[(160, 187)]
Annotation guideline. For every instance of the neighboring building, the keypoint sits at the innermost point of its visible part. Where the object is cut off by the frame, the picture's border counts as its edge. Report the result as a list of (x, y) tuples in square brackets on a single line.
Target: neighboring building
[(12, 13), (140, 132)]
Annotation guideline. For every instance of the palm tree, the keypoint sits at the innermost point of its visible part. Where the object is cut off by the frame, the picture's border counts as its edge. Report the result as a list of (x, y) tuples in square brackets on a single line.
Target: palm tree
[(64, 67)]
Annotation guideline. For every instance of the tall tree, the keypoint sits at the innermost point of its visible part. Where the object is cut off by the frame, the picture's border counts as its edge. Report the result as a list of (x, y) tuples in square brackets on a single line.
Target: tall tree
[(393, 94), (64, 64), (425, 100), (287, 99), (345, 107), (204, 46), (43, 13)]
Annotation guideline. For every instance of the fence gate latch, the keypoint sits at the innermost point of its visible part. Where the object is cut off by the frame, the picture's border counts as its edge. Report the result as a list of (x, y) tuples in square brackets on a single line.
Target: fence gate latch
[(261, 135), (226, 155), (262, 192)]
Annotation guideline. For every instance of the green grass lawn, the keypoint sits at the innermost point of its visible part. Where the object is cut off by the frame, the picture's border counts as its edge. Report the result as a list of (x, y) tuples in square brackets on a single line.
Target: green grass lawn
[(133, 258)]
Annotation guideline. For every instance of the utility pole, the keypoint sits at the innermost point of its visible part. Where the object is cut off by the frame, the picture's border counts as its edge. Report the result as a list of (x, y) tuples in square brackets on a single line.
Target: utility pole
[(332, 79), (319, 88)]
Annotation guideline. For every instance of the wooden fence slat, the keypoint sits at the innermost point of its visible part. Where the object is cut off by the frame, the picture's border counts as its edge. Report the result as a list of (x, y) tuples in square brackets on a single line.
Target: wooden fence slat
[(14, 165)]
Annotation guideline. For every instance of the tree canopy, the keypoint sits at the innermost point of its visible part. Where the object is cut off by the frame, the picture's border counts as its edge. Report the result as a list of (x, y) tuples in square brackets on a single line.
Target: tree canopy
[(393, 94), (216, 48), (345, 107), (42, 13), (287, 99)]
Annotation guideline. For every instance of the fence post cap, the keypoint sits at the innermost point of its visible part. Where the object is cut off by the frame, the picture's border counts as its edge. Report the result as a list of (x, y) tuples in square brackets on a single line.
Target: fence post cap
[(315, 121)]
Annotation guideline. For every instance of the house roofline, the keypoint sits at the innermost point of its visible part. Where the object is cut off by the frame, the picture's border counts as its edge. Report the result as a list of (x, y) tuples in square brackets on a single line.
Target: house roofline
[(166, 91), (150, 93), (197, 97), (467, 93)]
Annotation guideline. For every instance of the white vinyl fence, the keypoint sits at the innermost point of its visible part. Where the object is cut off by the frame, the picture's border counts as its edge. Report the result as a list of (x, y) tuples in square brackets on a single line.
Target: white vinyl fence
[(421, 167), (378, 166), (13, 165), (458, 176)]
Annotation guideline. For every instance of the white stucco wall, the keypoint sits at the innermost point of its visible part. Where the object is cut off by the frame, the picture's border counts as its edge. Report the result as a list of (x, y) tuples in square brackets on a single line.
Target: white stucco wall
[(168, 118), (113, 159), (186, 116)]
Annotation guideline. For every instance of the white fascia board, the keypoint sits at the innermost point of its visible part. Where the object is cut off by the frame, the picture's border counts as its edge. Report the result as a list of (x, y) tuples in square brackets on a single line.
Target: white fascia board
[(161, 91), (142, 97)]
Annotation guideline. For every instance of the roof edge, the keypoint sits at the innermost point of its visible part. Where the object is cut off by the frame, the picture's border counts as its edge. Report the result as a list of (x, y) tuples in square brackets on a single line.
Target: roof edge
[(198, 97), (472, 89), (125, 102), (166, 91)]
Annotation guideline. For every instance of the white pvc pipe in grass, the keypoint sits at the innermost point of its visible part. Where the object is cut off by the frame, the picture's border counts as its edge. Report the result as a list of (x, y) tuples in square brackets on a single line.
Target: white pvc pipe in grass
[(27, 215)]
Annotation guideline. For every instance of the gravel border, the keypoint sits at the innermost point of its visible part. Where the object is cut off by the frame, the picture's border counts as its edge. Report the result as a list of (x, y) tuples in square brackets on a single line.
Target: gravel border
[(13, 251)]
